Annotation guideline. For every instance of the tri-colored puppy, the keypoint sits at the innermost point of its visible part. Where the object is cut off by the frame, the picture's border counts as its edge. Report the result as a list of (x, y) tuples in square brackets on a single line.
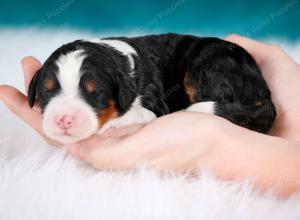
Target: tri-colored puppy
[(91, 85)]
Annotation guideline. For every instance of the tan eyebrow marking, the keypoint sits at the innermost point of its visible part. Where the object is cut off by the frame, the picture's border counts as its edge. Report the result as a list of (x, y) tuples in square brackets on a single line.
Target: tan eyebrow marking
[(191, 92), (258, 103), (90, 86), (49, 84)]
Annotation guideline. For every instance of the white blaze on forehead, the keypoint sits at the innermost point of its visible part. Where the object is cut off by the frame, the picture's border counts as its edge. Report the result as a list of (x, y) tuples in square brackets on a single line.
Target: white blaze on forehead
[(69, 73), (121, 46)]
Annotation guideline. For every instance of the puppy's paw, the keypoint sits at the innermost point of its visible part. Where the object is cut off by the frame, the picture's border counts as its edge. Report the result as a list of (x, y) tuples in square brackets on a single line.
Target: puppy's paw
[(110, 125)]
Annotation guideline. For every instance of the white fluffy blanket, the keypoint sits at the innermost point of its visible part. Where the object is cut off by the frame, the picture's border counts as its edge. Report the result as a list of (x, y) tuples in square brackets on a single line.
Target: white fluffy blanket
[(41, 182)]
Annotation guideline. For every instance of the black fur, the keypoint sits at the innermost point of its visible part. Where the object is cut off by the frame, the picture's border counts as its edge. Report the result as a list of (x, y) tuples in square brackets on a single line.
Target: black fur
[(217, 71), (36, 88), (33, 88)]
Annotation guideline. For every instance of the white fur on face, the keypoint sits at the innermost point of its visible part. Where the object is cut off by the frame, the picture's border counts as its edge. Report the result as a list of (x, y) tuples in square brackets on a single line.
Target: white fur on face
[(68, 102), (122, 47), (69, 71)]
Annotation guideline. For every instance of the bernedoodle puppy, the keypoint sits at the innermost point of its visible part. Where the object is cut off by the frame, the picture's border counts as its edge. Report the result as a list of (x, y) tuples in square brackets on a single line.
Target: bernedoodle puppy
[(88, 86)]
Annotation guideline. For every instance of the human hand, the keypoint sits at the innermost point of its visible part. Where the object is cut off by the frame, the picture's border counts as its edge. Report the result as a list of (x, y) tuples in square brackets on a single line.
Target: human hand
[(282, 75), (272, 60), (186, 141), (174, 142)]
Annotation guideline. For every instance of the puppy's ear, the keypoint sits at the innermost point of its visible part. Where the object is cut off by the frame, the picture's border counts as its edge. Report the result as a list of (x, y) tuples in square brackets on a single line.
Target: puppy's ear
[(126, 92), (32, 88)]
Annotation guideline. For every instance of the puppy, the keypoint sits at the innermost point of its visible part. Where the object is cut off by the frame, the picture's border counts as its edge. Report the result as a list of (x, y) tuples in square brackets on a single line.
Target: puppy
[(91, 85)]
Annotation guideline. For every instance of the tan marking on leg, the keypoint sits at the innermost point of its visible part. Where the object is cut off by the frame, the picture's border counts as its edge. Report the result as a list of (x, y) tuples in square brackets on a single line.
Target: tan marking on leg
[(258, 103), (191, 92)]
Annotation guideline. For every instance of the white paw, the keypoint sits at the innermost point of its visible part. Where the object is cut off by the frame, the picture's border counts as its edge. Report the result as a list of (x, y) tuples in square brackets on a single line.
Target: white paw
[(205, 107), (114, 123)]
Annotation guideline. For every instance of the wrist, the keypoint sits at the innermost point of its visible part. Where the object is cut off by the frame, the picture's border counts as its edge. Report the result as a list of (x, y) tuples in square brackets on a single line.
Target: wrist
[(271, 163)]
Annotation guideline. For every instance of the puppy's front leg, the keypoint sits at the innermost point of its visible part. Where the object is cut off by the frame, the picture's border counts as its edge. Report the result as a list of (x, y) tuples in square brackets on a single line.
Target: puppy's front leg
[(137, 114)]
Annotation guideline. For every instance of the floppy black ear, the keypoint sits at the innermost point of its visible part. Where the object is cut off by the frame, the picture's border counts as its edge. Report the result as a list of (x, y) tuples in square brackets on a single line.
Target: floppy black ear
[(126, 92), (32, 88)]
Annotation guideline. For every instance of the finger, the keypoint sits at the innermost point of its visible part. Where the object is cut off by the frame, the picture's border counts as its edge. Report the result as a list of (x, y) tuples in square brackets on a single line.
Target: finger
[(257, 49), (18, 104), (106, 153), (30, 66), (74, 150), (84, 149), (52, 142), (122, 131)]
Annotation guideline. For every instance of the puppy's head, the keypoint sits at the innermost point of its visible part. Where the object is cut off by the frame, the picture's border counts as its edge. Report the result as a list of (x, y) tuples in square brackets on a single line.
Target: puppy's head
[(80, 87)]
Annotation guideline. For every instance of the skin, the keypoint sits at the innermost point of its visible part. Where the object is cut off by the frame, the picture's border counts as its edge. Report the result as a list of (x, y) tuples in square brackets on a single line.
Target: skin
[(186, 142)]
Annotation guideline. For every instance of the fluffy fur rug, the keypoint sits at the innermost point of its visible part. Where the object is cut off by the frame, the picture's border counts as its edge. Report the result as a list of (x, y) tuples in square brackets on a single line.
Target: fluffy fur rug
[(41, 182)]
